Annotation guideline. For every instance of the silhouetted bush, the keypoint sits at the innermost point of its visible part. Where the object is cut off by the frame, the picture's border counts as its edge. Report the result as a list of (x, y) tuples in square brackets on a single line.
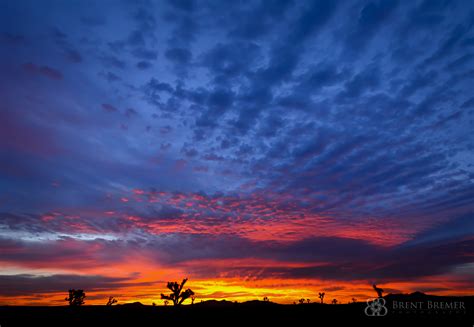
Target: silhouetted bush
[(334, 301), (177, 295), (111, 301), (76, 297)]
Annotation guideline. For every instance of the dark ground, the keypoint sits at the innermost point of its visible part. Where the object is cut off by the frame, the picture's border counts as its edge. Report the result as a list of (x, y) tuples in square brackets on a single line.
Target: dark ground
[(223, 313)]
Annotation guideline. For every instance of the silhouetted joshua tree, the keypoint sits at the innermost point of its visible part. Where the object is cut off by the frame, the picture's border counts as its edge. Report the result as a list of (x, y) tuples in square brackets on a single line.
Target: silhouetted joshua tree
[(308, 301), (334, 301), (177, 295), (321, 296), (166, 303), (265, 299), (193, 298), (76, 297), (301, 301), (111, 301), (378, 290)]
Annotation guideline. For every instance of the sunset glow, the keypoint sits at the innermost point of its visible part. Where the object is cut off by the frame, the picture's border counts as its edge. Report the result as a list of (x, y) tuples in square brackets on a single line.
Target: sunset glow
[(261, 149)]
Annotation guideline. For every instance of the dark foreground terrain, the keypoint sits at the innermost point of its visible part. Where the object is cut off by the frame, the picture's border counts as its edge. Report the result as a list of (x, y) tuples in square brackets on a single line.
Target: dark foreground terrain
[(415, 309)]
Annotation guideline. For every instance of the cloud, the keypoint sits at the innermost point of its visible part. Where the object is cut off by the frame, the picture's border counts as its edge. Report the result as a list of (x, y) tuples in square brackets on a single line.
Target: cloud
[(145, 54), (185, 5), (113, 62), (178, 55), (231, 60), (455, 228), (130, 113), (256, 20), (372, 18), (18, 285), (449, 44), (319, 258), (24, 135), (109, 108), (43, 70), (144, 65)]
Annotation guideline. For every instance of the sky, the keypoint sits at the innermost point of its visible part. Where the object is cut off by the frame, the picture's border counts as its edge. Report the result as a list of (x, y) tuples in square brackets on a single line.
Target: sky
[(260, 148)]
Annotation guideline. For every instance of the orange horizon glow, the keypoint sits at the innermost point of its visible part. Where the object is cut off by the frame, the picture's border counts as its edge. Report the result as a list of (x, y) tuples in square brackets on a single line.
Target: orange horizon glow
[(278, 291), (147, 287), (145, 271)]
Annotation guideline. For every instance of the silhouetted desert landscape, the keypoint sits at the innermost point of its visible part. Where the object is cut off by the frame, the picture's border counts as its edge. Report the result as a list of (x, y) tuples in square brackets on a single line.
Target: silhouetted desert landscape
[(415, 309), (303, 162)]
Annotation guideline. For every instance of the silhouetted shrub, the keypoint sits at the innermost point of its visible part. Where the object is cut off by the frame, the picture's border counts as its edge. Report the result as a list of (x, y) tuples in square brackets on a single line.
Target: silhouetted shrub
[(334, 301), (111, 301), (177, 295), (76, 297)]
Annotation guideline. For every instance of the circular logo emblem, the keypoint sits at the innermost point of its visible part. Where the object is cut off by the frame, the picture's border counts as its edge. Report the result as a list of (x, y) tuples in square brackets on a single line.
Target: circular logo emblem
[(376, 307)]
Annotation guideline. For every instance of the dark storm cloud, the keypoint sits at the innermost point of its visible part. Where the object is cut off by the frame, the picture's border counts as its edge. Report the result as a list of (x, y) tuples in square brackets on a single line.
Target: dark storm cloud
[(18, 285), (64, 252), (454, 228), (391, 266), (333, 258)]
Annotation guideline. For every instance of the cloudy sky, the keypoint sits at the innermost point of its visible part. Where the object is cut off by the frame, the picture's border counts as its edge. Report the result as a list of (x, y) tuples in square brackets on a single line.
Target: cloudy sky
[(260, 148)]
